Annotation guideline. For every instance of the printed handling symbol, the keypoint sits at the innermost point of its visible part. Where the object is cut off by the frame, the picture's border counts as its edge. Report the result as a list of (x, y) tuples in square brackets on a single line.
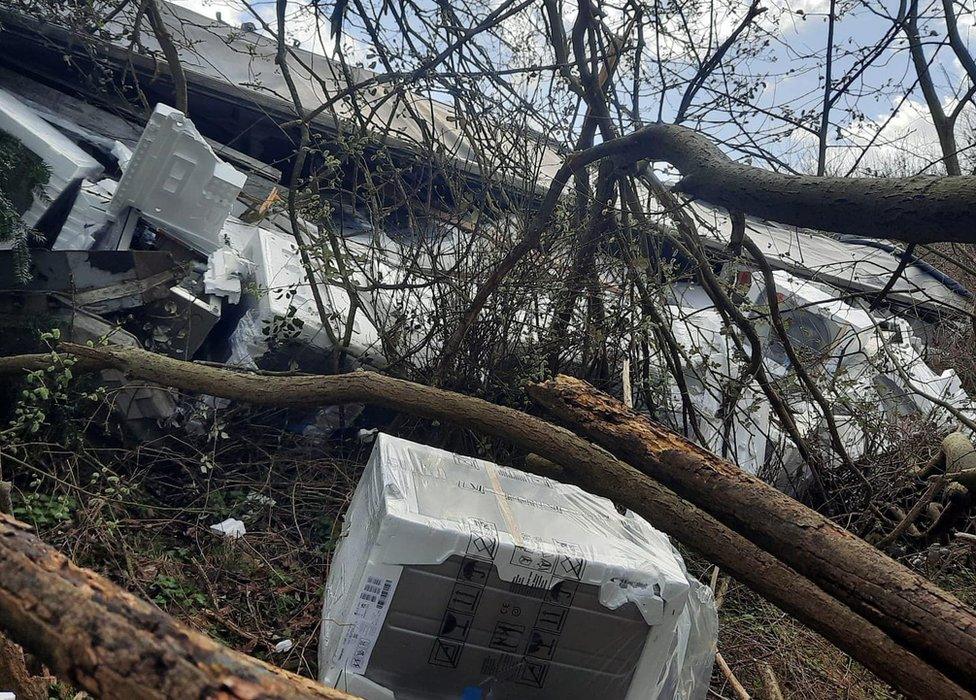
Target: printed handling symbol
[(445, 653), (571, 567), (534, 674), (482, 546)]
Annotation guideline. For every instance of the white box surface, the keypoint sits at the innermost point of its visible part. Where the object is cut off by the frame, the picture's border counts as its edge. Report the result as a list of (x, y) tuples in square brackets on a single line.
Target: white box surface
[(458, 578)]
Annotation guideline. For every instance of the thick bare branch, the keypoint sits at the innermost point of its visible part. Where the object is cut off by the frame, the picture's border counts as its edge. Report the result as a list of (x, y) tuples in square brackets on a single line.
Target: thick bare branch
[(915, 612), (106, 641)]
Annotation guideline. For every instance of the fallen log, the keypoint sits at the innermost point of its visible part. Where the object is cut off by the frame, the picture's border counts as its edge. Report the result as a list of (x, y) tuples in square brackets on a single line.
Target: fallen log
[(100, 638), (590, 466), (925, 619)]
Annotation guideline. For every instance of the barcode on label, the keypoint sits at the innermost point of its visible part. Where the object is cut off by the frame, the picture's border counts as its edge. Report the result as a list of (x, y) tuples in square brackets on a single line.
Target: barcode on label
[(373, 589), (385, 593), (367, 618)]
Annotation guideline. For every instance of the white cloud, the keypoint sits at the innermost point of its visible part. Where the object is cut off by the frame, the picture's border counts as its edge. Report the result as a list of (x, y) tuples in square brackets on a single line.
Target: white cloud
[(907, 143)]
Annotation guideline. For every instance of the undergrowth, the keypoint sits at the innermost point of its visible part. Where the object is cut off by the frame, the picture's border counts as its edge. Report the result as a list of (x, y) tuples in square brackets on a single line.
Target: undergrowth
[(140, 511)]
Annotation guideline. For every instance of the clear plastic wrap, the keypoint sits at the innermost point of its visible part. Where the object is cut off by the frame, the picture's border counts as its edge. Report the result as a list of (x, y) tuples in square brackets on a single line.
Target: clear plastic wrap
[(457, 578)]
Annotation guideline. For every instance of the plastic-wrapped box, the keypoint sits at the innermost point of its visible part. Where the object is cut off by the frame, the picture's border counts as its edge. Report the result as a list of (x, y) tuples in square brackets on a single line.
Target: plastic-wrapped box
[(457, 578)]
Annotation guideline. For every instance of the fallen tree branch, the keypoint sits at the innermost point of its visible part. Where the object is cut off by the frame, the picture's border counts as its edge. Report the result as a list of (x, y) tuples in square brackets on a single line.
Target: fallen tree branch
[(909, 209), (912, 515), (588, 465), (740, 692), (924, 618), (100, 638), (770, 682)]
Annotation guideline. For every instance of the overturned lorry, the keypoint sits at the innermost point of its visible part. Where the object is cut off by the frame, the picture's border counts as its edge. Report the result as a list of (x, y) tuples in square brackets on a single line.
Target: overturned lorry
[(162, 237)]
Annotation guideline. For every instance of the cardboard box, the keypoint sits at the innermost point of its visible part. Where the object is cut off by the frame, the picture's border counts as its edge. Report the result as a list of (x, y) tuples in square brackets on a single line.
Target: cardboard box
[(458, 578)]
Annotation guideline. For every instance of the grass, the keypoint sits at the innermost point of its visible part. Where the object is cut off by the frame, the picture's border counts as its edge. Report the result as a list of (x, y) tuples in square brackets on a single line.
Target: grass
[(753, 632)]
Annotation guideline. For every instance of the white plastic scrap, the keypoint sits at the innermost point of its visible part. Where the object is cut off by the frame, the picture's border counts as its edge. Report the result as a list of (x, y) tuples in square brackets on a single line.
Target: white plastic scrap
[(175, 179), (287, 308), (223, 275), (122, 154), (367, 436), (66, 161), (232, 528), (283, 646)]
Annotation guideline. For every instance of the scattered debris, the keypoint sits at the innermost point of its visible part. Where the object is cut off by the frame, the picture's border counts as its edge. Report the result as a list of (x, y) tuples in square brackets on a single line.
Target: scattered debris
[(66, 162), (176, 181), (232, 528), (283, 646), (223, 276)]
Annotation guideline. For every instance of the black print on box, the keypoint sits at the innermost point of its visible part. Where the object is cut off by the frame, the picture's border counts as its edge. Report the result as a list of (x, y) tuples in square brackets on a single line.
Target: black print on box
[(506, 636), (464, 598), (483, 540), (533, 673), (551, 618), (571, 567), (482, 547), (445, 653), (474, 572), (456, 626), (563, 593), (542, 645), (533, 559)]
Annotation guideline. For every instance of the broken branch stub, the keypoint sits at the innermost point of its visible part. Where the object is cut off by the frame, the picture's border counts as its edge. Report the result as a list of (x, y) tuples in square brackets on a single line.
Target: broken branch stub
[(591, 467), (916, 613), (100, 638)]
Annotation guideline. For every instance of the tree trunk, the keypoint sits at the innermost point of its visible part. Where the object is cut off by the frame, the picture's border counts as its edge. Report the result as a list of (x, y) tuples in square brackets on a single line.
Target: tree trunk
[(590, 466), (910, 209), (111, 644), (925, 619)]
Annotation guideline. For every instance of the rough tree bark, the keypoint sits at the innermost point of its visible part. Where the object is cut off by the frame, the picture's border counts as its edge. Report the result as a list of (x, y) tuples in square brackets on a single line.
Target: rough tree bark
[(913, 209), (113, 645), (925, 619), (910, 209), (590, 466)]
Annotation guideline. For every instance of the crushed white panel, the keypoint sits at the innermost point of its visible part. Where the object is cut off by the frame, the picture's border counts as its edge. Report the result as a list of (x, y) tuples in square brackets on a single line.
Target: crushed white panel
[(417, 506), (849, 266), (175, 180), (223, 275), (122, 154), (88, 216), (711, 365), (907, 386), (67, 162), (243, 66), (816, 321), (285, 306)]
